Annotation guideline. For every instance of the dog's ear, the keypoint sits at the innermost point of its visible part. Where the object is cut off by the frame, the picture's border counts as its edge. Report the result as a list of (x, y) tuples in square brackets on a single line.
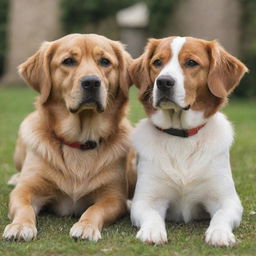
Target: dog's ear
[(124, 61), (139, 69), (36, 71), (225, 71)]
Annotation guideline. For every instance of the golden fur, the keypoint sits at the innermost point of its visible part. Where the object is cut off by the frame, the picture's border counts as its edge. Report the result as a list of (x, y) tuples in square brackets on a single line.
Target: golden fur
[(68, 180)]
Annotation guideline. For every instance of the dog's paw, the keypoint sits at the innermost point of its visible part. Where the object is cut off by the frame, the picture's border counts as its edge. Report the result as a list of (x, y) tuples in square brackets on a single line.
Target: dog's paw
[(152, 235), (19, 232), (84, 230), (219, 237)]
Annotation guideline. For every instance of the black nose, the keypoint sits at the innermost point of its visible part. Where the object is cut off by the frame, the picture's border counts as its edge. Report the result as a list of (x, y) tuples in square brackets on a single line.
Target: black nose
[(165, 82), (88, 82)]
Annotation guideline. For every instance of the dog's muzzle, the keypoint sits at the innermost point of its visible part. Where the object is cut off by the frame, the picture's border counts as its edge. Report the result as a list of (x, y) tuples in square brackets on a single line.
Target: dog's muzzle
[(91, 86), (165, 93), (165, 90)]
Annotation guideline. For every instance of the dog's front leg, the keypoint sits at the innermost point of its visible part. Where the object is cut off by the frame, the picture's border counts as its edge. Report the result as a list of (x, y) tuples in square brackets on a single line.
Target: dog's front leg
[(151, 220), (224, 219), (148, 209), (23, 226), (107, 209)]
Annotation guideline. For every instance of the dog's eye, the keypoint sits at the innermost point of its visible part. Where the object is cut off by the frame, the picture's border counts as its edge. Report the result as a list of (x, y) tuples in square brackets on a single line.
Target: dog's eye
[(69, 62), (191, 63), (104, 62), (157, 63)]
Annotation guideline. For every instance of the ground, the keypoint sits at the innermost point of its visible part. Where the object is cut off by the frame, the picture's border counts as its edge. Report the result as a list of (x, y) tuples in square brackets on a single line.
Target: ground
[(119, 239)]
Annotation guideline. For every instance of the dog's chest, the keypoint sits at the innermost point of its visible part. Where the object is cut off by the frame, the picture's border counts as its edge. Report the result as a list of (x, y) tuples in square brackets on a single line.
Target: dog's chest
[(73, 186), (186, 180), (180, 160), (79, 176), (184, 164), (85, 175)]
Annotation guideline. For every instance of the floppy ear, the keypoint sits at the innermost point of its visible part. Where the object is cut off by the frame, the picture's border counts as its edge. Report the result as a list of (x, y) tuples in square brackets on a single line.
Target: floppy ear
[(139, 69), (124, 60), (36, 71), (225, 71)]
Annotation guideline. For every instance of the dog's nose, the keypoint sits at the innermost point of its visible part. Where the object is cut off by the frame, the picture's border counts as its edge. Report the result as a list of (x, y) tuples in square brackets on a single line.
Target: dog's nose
[(165, 82), (88, 82)]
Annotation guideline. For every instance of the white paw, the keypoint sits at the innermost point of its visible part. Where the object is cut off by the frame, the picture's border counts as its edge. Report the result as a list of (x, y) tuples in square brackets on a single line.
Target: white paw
[(83, 230), (219, 237), (152, 235), (20, 232)]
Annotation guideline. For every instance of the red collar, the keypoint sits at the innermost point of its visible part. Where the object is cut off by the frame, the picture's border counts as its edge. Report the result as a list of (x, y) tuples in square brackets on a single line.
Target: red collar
[(88, 145), (182, 133)]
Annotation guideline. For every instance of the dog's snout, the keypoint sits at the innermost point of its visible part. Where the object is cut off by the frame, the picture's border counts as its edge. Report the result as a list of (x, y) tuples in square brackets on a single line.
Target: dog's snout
[(88, 82), (165, 82)]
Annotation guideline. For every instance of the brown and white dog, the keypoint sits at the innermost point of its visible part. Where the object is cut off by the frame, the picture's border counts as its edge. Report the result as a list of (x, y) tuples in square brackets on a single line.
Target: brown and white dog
[(72, 150), (183, 145)]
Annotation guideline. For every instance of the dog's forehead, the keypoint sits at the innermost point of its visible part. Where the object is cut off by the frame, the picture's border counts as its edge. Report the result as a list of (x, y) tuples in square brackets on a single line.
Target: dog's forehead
[(164, 45), (195, 46), (84, 42), (167, 46), (182, 46)]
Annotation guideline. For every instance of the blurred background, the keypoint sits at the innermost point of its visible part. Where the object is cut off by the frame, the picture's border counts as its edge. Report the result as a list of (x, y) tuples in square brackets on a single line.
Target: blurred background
[(24, 24)]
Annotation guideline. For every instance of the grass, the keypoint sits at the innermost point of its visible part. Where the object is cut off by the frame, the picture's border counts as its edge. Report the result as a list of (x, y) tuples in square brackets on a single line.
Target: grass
[(119, 239)]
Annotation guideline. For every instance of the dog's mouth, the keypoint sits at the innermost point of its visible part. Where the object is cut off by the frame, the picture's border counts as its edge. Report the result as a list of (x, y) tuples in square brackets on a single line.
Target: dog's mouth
[(88, 104), (167, 103)]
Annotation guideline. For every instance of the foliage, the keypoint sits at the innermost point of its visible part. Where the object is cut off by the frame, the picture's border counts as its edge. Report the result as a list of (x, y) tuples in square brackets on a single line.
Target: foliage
[(4, 4)]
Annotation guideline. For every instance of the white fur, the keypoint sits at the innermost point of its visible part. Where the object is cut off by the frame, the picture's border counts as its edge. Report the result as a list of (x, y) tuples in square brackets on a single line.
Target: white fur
[(167, 118), (174, 69), (177, 177)]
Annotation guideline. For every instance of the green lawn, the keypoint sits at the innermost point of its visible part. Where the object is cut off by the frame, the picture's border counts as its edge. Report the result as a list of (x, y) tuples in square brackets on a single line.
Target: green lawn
[(119, 239)]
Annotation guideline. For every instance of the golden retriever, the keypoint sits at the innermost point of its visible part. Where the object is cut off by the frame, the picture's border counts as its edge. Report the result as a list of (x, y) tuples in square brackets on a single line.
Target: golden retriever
[(72, 150)]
